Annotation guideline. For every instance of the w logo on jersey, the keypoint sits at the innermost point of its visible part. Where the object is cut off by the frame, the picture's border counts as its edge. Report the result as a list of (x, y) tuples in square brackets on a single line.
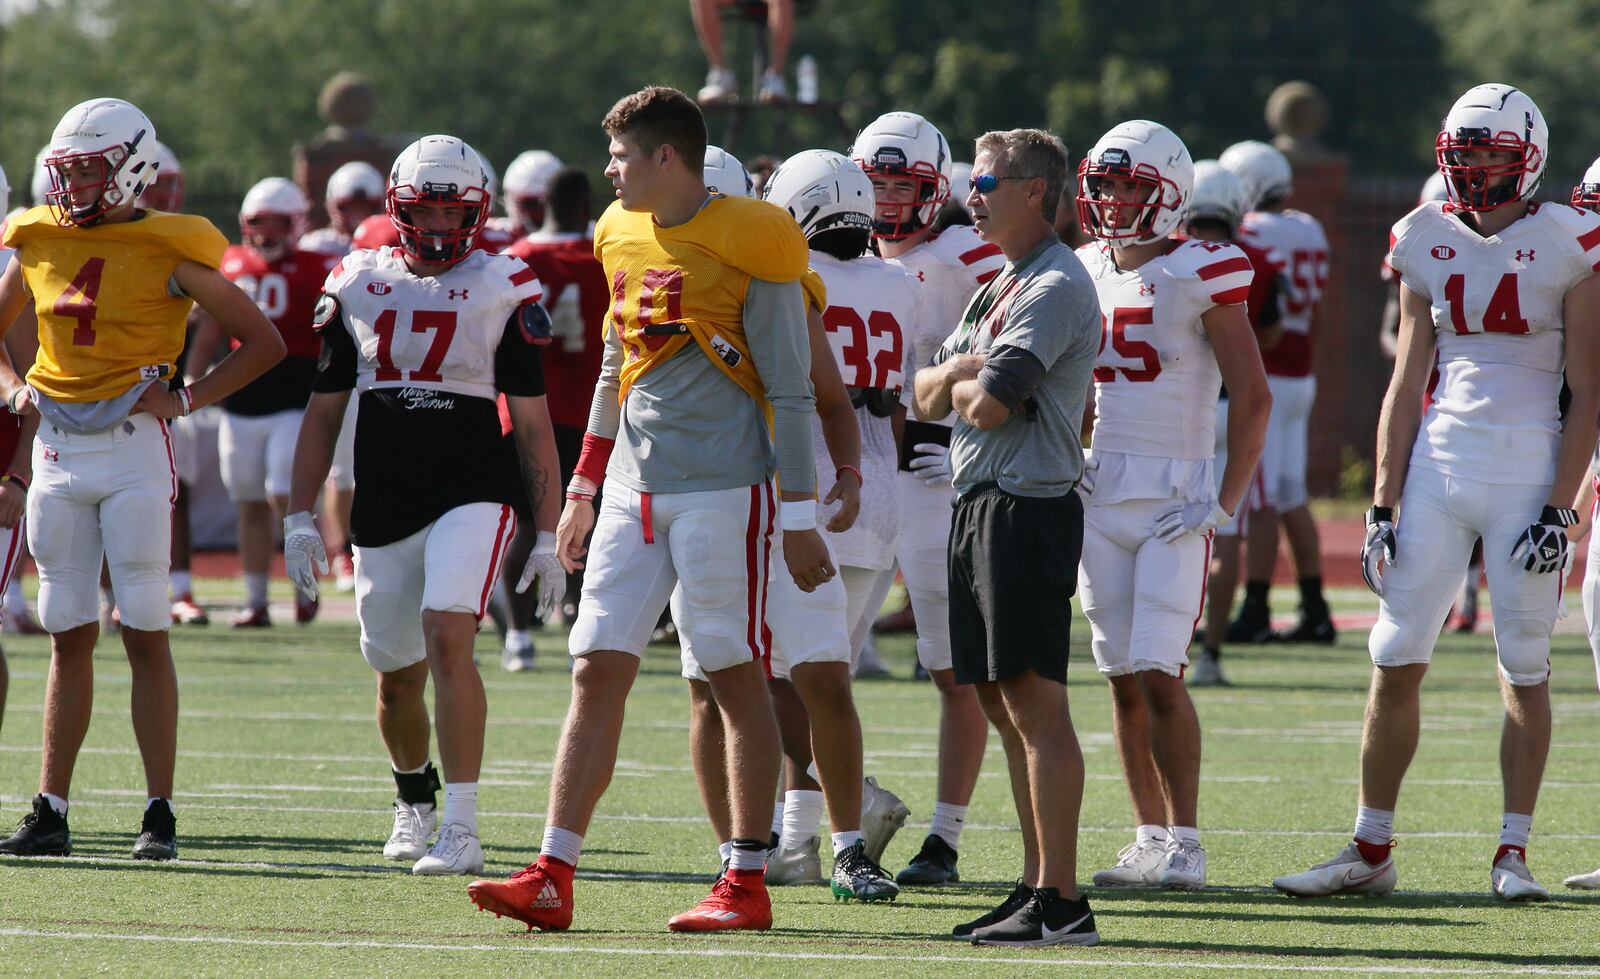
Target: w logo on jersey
[(1443, 253), (458, 294)]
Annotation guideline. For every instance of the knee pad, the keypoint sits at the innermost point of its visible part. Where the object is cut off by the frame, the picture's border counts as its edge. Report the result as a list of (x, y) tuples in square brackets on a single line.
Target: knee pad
[(1523, 646)]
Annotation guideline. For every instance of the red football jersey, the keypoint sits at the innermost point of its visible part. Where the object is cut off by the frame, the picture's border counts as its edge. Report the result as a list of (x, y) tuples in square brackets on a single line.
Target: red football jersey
[(286, 291), (576, 294), (1263, 288), (379, 232)]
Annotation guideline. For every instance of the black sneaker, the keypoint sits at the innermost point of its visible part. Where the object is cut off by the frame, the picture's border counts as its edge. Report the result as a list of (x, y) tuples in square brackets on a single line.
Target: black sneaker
[(934, 864), (41, 833), (1252, 627), (1020, 896), (858, 876), (1310, 630), (158, 835), (1047, 919)]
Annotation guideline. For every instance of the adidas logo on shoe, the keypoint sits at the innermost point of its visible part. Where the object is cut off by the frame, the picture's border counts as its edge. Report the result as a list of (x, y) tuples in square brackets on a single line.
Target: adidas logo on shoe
[(548, 898), (714, 915)]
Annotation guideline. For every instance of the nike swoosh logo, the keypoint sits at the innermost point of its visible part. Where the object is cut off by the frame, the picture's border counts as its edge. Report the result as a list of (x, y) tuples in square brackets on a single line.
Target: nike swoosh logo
[(1352, 880), (1050, 933)]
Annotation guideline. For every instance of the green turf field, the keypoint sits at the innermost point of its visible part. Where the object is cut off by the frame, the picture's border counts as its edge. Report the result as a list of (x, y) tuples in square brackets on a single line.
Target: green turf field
[(283, 796)]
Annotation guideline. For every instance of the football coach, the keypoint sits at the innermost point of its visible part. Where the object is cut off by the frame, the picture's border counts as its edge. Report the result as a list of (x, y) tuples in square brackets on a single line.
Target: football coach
[(1016, 372)]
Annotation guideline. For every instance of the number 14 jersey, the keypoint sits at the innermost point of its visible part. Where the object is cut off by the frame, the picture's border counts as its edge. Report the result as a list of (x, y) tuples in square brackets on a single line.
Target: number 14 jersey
[(1497, 319)]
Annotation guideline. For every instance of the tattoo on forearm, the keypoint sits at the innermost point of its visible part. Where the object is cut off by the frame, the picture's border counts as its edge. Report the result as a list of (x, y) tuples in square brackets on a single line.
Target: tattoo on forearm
[(534, 478)]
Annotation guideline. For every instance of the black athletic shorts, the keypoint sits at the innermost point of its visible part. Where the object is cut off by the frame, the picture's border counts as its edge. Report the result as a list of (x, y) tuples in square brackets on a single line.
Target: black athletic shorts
[(1013, 571)]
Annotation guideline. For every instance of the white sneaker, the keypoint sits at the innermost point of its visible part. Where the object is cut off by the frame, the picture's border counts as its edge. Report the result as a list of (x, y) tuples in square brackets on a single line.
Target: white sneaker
[(796, 865), (1206, 671), (1137, 865), (1511, 880), (773, 88), (412, 827), (720, 86), (456, 851), (1584, 882), (516, 656), (882, 815), (1184, 867), (1347, 873)]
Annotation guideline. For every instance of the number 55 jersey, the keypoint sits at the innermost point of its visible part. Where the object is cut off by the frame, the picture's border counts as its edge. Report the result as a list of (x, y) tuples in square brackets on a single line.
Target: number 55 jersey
[(1497, 319), (428, 356)]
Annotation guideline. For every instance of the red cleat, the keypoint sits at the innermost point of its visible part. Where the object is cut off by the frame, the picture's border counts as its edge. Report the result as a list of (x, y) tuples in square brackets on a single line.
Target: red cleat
[(252, 618), (186, 612), (539, 895), (738, 901), (305, 609)]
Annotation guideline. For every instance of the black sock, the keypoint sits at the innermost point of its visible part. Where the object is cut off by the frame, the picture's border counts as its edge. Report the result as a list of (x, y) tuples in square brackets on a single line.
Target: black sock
[(418, 788), (1255, 597), (1312, 604), (1213, 651)]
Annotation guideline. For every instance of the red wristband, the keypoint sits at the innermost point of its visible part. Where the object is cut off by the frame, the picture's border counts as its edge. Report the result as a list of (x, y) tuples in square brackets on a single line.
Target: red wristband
[(847, 468), (592, 460)]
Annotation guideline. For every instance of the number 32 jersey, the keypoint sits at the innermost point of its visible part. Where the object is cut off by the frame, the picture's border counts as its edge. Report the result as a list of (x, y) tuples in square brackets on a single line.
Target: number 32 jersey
[(1497, 319), (1156, 379), (429, 356)]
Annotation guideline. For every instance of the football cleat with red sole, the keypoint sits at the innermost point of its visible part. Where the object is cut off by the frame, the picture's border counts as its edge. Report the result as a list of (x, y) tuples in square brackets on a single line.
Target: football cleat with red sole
[(738, 901), (539, 895)]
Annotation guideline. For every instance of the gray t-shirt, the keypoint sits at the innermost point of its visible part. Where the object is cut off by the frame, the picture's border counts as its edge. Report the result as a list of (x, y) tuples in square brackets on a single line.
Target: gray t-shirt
[(1044, 308)]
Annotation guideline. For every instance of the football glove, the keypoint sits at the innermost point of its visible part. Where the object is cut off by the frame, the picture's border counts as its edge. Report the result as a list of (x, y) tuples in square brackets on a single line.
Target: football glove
[(1542, 548), (1091, 465), (545, 566), (1191, 518), (1378, 547), (303, 550), (931, 464)]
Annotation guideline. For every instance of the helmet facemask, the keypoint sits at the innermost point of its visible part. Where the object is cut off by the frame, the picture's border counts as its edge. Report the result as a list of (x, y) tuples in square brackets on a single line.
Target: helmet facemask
[(444, 247), (1587, 196), (1488, 186), (1093, 209), (932, 190), (111, 197)]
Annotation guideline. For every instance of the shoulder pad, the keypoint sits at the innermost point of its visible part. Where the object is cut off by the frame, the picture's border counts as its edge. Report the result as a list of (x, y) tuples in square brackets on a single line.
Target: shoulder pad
[(327, 311), (534, 322)]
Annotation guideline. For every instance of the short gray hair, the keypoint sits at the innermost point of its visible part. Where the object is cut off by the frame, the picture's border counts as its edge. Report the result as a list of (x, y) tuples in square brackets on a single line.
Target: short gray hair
[(1031, 153)]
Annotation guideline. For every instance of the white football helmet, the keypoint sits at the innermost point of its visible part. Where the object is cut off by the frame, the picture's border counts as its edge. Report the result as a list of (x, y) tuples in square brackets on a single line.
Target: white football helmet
[(165, 193), (1492, 117), (1218, 194), (355, 180), (445, 170), (961, 184), (905, 145), (823, 190), (1263, 169), (39, 181), (1147, 153), (725, 175), (274, 197), (1433, 189), (114, 133), (1587, 193)]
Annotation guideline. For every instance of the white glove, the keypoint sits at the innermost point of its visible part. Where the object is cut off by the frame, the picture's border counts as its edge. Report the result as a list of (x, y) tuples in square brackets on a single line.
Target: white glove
[(1378, 547), (931, 464), (544, 565), (302, 549), (1191, 518), (1091, 465)]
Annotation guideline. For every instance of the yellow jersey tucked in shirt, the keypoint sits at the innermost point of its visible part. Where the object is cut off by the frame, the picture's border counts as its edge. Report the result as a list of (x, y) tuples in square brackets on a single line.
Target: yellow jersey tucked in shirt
[(673, 286), (109, 312)]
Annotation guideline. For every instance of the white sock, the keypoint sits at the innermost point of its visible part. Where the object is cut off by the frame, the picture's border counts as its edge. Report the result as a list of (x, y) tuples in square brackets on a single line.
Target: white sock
[(747, 857), (802, 816), (182, 583), (1151, 833), (1514, 829), (1186, 834), (461, 805), (56, 802), (255, 590), (562, 844), (777, 819), (1374, 825), (725, 851), (518, 640), (948, 820), (16, 600), (846, 840)]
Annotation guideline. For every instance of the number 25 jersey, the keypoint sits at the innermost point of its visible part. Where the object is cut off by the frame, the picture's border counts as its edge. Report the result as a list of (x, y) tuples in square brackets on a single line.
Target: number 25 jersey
[(1497, 319)]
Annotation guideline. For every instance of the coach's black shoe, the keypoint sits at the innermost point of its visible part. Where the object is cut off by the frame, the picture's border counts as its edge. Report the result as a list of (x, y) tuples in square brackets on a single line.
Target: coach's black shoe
[(41, 833), (1019, 897), (1047, 919), (1310, 629), (934, 864), (158, 837)]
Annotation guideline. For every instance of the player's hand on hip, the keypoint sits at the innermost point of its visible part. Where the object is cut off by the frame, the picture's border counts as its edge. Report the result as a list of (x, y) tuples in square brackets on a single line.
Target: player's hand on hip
[(1379, 547), (1542, 548), (1091, 466), (157, 400), (577, 519), (303, 552), (807, 557), (846, 492), (13, 502), (1190, 518), (544, 565), (931, 464), (22, 401)]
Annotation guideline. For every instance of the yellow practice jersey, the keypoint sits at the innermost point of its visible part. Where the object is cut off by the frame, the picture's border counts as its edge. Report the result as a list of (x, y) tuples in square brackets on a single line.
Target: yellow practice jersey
[(673, 286), (109, 313)]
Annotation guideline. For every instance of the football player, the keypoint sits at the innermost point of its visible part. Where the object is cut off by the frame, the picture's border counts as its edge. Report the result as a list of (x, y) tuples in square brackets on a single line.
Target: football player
[(14, 615), (354, 193), (707, 342), (1500, 292), (429, 333), (1216, 204), (909, 162), (527, 189), (1296, 241), (379, 232), (111, 285), (1174, 326), (261, 421)]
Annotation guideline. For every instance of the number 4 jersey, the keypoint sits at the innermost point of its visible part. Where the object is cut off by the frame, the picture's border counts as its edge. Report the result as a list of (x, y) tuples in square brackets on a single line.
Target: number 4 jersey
[(1156, 380), (1497, 319), (429, 356)]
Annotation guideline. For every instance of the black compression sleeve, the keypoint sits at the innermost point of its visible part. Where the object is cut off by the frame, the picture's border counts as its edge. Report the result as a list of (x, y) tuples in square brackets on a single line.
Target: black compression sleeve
[(518, 364), (336, 368)]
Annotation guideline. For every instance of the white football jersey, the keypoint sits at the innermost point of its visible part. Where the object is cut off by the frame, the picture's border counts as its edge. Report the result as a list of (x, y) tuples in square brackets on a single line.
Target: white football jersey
[(1156, 380), (872, 306), (438, 333), (1497, 319), (949, 267), (1298, 246), (328, 241)]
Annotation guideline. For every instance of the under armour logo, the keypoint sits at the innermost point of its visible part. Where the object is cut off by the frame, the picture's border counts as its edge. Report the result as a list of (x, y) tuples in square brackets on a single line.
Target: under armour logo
[(1520, 253), (1147, 289), (51, 455), (921, 277), (458, 293)]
